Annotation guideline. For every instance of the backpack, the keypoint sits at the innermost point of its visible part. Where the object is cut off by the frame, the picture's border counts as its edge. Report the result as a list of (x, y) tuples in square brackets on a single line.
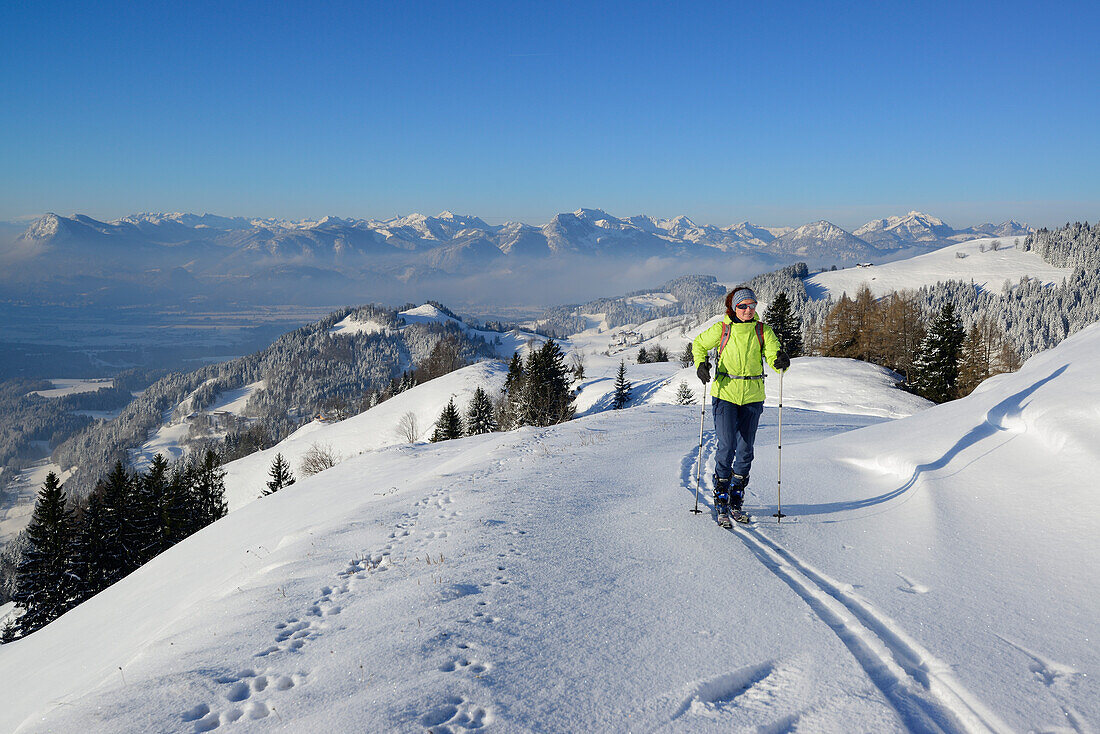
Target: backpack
[(726, 337)]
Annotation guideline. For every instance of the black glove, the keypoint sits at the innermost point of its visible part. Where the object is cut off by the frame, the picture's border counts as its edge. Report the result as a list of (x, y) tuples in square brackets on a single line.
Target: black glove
[(704, 372), (782, 361)]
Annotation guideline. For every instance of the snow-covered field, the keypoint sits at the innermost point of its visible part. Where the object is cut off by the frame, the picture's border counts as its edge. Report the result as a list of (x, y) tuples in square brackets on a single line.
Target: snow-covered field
[(75, 386), (933, 574), (169, 440), (987, 270)]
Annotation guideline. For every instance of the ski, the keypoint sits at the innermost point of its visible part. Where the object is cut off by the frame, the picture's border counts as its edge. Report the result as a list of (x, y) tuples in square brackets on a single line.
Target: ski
[(724, 520), (742, 517)]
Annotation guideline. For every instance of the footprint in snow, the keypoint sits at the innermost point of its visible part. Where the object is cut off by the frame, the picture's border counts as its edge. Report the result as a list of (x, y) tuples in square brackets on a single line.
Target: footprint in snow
[(243, 688), (753, 687), (456, 714), (1049, 672), (911, 586)]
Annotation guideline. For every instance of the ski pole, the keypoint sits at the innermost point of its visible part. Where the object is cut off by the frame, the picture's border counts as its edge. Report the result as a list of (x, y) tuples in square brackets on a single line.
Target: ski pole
[(779, 450), (699, 460)]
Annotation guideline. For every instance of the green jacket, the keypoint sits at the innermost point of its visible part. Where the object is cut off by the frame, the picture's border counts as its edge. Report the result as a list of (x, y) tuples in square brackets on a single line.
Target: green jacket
[(741, 357)]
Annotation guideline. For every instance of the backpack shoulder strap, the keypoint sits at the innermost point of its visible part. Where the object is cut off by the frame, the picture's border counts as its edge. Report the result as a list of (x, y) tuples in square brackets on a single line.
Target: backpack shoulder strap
[(760, 336), (722, 343)]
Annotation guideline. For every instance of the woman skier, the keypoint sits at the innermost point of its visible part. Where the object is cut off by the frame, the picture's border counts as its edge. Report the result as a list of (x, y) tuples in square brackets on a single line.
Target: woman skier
[(743, 343)]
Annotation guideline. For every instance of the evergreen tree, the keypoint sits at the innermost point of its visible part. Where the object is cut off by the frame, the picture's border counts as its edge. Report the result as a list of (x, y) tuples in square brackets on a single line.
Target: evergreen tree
[(121, 536), (936, 368), (684, 395), (687, 357), (514, 379), (786, 325), (622, 388), (510, 406), (152, 491), (449, 424), (180, 511), (91, 549), (544, 398), (643, 356), (479, 416), (45, 588), (280, 476), (208, 489), (658, 354)]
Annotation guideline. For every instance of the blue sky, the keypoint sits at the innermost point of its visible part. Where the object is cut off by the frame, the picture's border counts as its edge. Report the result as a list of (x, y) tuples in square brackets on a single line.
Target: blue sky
[(779, 113)]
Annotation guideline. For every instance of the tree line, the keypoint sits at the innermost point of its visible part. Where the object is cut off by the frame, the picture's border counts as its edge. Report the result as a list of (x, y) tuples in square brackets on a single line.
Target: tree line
[(73, 549)]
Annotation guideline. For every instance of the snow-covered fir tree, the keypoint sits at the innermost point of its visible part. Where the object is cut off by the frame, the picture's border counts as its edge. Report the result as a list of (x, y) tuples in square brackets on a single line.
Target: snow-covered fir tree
[(449, 423), (480, 416), (684, 395), (544, 398), (623, 388), (936, 368), (45, 589), (280, 475)]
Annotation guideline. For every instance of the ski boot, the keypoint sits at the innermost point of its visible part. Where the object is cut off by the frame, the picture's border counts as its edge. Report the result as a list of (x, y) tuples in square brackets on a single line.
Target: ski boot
[(737, 486), (722, 501)]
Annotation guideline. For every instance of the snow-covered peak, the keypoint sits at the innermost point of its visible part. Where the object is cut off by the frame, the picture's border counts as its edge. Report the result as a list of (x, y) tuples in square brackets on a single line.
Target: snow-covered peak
[(43, 228), (593, 215), (427, 312)]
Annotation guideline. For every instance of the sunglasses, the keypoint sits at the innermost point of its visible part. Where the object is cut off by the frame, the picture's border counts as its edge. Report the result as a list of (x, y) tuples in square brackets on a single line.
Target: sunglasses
[(746, 307)]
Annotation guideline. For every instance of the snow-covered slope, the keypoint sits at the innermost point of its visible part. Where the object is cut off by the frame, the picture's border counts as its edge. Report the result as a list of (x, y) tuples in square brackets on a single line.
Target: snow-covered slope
[(370, 430), (932, 574), (986, 267)]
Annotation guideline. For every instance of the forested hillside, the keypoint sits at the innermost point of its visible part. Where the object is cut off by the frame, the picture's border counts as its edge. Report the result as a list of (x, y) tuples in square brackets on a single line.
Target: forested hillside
[(305, 371), (1034, 316)]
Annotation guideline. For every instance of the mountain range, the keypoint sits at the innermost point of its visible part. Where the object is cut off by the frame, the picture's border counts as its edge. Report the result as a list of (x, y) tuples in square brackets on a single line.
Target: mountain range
[(191, 254)]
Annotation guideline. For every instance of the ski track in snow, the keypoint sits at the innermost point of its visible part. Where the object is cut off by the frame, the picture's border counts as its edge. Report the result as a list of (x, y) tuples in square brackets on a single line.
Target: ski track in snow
[(252, 695), (923, 690)]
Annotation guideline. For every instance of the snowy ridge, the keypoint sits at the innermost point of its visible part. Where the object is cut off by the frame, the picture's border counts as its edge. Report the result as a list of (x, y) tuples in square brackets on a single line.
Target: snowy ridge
[(975, 261)]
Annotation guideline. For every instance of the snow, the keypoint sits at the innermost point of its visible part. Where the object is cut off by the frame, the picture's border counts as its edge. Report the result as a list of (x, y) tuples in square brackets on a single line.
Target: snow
[(509, 342), (932, 574), (988, 270), (653, 300), (170, 438), (351, 325), (67, 386), (17, 501), (373, 429)]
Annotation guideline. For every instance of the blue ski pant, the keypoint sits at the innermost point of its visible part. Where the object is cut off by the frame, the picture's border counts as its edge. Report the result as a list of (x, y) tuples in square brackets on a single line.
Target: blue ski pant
[(736, 428)]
